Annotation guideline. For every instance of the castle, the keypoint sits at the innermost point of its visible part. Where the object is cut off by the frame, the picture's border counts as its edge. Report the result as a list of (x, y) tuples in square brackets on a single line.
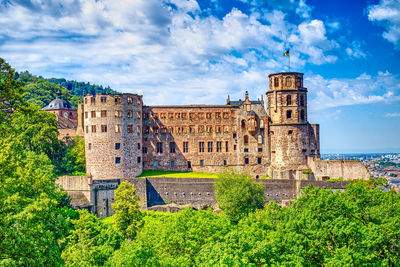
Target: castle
[(271, 139)]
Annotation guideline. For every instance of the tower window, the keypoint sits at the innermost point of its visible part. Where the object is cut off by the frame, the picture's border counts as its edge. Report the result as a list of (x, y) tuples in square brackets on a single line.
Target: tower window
[(103, 99), (201, 162), (117, 160), (117, 99), (93, 128), (246, 139), (226, 146), (276, 82), (288, 114), (243, 124), (302, 100), (258, 160), (246, 161), (172, 163), (130, 114), (129, 128), (288, 81), (144, 150), (138, 159), (225, 162), (290, 132), (189, 164), (219, 146), (90, 146), (138, 146), (103, 113), (117, 146), (93, 114), (288, 100), (103, 128), (298, 82), (130, 101), (86, 115), (302, 115)]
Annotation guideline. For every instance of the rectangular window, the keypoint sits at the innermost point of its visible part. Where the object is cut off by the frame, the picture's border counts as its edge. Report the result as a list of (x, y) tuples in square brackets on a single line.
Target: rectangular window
[(226, 146), (288, 114), (118, 128), (144, 150), (258, 160), (172, 147), (246, 161), (210, 146), (234, 135), (90, 146), (93, 114), (201, 146), (155, 164), (129, 128), (246, 149), (234, 147), (138, 146), (118, 114), (219, 146), (138, 115), (93, 100), (117, 99), (117, 146), (129, 114), (138, 159), (201, 163), (260, 149), (225, 162), (103, 99), (87, 129), (117, 160), (86, 114), (85, 100), (93, 128), (103, 128), (130, 101), (172, 163), (103, 113), (185, 147), (189, 164), (159, 147), (290, 132)]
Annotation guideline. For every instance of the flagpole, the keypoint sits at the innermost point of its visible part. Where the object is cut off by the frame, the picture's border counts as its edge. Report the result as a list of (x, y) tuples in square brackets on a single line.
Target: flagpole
[(289, 61)]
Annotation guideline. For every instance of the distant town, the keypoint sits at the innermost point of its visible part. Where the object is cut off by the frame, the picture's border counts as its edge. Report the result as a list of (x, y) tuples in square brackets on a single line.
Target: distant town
[(386, 165)]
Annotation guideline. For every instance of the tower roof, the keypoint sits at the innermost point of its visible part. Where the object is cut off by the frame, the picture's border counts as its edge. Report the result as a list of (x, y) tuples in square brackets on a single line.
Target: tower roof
[(286, 73), (58, 104)]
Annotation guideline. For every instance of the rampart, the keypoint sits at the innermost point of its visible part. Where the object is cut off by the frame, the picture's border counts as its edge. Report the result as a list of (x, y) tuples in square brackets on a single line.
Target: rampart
[(158, 193), (334, 169)]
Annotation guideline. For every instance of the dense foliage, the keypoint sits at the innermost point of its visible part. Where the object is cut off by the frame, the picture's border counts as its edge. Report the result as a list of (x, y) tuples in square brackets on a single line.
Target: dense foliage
[(41, 91), (73, 158), (34, 212), (238, 194)]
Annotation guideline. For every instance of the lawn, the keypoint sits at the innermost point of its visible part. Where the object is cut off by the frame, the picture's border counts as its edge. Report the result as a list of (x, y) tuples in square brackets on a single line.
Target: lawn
[(151, 173)]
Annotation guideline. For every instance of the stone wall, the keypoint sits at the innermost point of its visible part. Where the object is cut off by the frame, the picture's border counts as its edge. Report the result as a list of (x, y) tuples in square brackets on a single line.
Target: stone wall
[(334, 169), (161, 192), (78, 188)]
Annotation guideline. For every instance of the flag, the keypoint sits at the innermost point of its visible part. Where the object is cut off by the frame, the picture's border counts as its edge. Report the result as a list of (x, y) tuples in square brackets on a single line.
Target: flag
[(286, 53)]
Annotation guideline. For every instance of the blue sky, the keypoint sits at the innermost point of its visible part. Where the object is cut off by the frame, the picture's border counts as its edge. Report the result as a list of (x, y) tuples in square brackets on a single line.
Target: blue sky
[(179, 51)]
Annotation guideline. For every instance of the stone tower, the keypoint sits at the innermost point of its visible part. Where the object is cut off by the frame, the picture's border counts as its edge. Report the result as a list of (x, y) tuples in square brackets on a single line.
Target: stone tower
[(113, 135), (292, 138)]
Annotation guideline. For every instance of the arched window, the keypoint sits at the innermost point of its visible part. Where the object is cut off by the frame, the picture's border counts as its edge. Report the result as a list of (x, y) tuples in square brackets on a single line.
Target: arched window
[(261, 123), (302, 100), (298, 82), (130, 114), (246, 139), (260, 139), (243, 124), (302, 116), (276, 82), (288, 100), (288, 81)]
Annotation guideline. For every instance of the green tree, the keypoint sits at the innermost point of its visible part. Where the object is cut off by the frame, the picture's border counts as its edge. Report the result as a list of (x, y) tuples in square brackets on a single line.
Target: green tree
[(91, 242), (127, 218), (238, 194), (73, 161), (11, 93)]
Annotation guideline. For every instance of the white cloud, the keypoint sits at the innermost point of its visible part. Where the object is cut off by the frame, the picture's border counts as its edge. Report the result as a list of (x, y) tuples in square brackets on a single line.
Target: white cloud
[(167, 49), (387, 13), (392, 115), (355, 51), (365, 89)]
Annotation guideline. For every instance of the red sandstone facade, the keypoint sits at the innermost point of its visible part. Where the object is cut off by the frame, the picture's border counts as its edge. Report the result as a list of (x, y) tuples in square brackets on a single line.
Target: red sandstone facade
[(123, 137)]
